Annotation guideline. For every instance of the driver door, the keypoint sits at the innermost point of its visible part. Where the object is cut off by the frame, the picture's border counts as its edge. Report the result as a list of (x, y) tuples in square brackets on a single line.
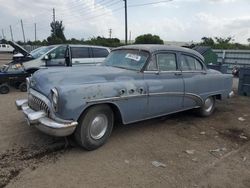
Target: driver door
[(56, 57)]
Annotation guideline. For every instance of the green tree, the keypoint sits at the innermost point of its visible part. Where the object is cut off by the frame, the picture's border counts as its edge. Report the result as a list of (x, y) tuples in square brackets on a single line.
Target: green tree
[(148, 39), (207, 41), (57, 33)]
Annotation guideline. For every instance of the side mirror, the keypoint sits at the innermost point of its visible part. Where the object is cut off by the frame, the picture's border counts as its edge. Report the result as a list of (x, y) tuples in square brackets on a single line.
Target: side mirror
[(46, 58)]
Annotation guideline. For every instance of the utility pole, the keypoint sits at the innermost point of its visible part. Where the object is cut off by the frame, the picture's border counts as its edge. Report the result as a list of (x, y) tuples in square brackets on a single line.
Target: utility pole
[(129, 37), (23, 32), (35, 31), (3, 34), (54, 20), (11, 33), (126, 23), (110, 33)]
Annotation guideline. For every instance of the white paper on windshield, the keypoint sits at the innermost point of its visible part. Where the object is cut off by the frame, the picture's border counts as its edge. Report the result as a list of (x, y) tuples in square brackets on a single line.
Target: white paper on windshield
[(133, 56)]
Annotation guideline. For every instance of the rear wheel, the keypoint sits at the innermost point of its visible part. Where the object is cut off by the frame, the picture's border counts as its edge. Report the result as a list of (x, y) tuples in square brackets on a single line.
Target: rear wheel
[(23, 87), (4, 89), (95, 127), (208, 107)]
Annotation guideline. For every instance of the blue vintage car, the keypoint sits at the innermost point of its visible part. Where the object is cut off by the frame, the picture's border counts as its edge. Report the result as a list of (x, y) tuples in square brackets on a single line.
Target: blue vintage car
[(135, 83)]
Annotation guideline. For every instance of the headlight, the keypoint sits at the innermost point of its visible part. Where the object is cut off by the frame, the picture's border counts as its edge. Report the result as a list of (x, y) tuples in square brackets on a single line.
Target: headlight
[(54, 93)]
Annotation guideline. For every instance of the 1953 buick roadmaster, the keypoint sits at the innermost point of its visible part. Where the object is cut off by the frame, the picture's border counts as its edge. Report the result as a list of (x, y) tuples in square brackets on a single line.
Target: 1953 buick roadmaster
[(135, 83)]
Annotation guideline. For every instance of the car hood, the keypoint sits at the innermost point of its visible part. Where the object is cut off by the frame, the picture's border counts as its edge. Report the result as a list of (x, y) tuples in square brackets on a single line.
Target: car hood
[(46, 79), (20, 49)]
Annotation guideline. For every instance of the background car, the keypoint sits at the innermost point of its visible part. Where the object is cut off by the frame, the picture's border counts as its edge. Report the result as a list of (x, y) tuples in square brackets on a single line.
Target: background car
[(13, 75), (78, 54), (6, 48), (134, 83)]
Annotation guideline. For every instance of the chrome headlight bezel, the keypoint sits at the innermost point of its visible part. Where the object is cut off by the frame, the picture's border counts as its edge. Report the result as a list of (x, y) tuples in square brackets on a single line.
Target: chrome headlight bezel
[(28, 83), (54, 99)]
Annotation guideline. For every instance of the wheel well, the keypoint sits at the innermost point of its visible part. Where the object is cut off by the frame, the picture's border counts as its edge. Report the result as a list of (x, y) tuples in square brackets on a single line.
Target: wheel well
[(115, 109), (218, 97)]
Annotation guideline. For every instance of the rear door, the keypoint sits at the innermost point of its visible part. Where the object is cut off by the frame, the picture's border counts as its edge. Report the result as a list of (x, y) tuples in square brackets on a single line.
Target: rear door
[(81, 56), (196, 80), (99, 54), (165, 85)]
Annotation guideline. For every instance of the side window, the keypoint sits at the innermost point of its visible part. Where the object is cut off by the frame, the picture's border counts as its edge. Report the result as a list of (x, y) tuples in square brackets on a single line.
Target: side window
[(3, 45), (100, 52), (152, 66), (166, 62), (80, 52), (189, 63), (58, 53)]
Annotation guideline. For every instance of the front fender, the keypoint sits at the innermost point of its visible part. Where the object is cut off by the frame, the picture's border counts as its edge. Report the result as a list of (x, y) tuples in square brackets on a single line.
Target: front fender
[(74, 99)]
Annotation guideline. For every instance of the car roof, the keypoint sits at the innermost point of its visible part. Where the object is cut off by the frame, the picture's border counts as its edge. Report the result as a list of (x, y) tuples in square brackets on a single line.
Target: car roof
[(158, 47), (82, 45)]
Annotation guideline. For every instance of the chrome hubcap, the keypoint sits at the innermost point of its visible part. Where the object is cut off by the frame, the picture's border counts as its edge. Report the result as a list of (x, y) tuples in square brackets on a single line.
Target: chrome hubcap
[(98, 126), (208, 104)]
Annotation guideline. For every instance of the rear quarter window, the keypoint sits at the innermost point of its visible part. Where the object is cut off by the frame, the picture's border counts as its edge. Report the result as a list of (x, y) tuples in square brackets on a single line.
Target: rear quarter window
[(100, 52), (80, 52), (189, 63)]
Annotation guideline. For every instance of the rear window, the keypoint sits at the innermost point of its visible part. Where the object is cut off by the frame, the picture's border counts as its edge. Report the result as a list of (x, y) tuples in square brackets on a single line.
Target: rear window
[(100, 52), (80, 52)]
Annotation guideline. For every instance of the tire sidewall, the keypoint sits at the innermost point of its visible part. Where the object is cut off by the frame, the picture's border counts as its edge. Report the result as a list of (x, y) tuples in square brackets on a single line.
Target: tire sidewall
[(202, 110), (83, 130), (23, 87), (2, 91)]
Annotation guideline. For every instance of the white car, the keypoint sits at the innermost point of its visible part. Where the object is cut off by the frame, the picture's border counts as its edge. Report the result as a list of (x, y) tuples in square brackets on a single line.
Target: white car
[(6, 48), (61, 55)]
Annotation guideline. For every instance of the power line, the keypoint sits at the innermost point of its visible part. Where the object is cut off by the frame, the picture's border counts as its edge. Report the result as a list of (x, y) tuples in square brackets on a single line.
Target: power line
[(150, 3)]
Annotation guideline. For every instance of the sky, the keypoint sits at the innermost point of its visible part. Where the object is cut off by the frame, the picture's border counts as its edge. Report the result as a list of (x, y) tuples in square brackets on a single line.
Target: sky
[(173, 20)]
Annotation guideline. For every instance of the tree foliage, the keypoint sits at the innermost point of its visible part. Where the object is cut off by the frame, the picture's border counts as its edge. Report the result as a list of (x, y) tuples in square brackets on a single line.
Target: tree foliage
[(148, 39), (222, 43), (57, 33)]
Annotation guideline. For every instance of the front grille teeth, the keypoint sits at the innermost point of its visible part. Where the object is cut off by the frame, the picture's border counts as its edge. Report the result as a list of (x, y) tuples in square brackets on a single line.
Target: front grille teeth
[(37, 104)]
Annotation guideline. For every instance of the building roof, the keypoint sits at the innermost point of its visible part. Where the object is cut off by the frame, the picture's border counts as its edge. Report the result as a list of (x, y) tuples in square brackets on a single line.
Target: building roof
[(201, 49)]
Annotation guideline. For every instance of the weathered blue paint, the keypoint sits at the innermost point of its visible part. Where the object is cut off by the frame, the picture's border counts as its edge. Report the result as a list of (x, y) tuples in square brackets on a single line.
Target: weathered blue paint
[(138, 95)]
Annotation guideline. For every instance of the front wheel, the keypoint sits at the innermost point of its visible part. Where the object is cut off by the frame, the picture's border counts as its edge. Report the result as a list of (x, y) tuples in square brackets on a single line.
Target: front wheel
[(23, 87), (4, 89), (95, 127), (208, 107)]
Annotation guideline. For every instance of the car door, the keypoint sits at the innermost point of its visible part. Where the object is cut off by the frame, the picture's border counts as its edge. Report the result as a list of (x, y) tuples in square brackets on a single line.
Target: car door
[(99, 54), (81, 56), (195, 78), (56, 57), (165, 84)]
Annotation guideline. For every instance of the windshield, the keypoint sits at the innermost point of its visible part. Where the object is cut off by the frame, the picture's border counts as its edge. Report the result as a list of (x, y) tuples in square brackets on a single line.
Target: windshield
[(40, 51), (127, 59)]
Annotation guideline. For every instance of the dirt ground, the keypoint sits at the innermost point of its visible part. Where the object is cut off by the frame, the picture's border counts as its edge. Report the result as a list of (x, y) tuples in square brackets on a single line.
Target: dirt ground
[(190, 151)]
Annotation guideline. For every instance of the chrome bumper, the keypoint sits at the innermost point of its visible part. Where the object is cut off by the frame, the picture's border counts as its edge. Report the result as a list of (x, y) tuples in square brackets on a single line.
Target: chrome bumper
[(231, 94), (43, 123)]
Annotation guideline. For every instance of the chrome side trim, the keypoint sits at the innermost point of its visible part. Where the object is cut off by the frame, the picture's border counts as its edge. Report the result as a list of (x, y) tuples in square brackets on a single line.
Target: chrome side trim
[(116, 98), (193, 96)]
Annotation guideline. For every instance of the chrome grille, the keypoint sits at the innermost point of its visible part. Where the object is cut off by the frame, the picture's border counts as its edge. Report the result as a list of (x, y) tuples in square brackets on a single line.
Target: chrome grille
[(37, 104)]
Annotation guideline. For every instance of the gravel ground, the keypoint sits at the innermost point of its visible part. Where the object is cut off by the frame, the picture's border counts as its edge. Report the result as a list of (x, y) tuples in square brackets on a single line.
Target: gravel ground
[(190, 151)]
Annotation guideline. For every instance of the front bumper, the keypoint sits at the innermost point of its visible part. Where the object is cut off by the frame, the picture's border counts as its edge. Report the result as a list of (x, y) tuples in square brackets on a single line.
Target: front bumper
[(231, 94), (40, 120)]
